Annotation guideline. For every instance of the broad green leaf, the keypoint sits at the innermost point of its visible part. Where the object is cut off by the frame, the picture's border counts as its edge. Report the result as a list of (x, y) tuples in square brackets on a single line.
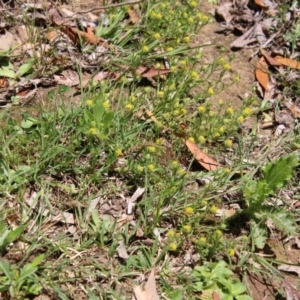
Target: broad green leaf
[(29, 122), (259, 235), (283, 221), (98, 111), (277, 173), (25, 68), (6, 268), (38, 260), (238, 288), (7, 69), (175, 295), (14, 234), (26, 271), (108, 118)]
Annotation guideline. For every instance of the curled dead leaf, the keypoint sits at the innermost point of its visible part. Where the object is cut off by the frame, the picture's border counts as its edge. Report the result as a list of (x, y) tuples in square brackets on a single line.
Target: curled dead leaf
[(204, 160), (149, 292), (133, 16), (261, 73), (291, 63), (272, 61)]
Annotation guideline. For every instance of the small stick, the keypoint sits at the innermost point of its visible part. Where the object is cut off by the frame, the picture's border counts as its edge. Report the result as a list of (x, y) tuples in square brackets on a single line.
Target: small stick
[(106, 6)]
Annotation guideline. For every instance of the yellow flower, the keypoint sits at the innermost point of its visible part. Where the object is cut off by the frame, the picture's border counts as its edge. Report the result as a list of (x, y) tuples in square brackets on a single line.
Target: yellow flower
[(237, 78), (183, 111), (205, 18), (174, 163), (93, 130), (187, 228), (106, 104), (216, 135), (188, 211), (160, 94), (211, 113), (166, 115), (180, 171), (185, 15), (140, 169), (191, 20), (182, 63), (172, 87), (163, 5), (247, 111), (228, 143), (152, 149), (220, 102), (129, 106), (187, 39), (231, 252), (201, 139), (157, 65), (169, 49), (193, 3), (210, 91), (171, 233), (159, 141), (89, 102), (199, 16), (118, 152), (159, 16), (221, 60), (132, 98), (195, 75), (219, 233), (221, 129), (173, 68), (213, 209), (204, 202), (202, 240), (201, 109), (145, 48), (227, 170), (227, 67), (156, 35), (151, 167), (191, 139), (240, 119), (230, 111), (173, 247), (176, 112)]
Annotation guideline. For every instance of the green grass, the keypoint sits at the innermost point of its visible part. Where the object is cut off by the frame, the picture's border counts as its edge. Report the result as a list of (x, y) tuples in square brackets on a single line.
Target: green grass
[(124, 134)]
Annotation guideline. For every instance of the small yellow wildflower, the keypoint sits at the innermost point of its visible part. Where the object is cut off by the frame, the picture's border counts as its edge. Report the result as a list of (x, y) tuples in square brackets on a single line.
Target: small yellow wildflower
[(227, 67), (153, 15), (118, 152), (205, 18), (173, 68), (147, 89), (201, 109), (213, 209), (228, 143), (230, 111), (221, 129), (237, 78), (187, 228), (176, 112), (152, 149), (163, 5), (172, 87), (221, 60), (194, 75), (191, 139), (167, 116), (188, 211), (191, 20), (211, 113), (247, 111), (89, 102), (217, 135), (185, 15), (201, 139), (93, 130), (202, 240), (158, 16), (240, 119), (132, 98), (151, 167), (140, 169), (227, 170), (129, 106), (187, 39), (199, 16), (124, 79), (106, 104), (231, 252), (219, 233), (145, 48), (180, 171), (160, 94), (182, 63), (169, 49), (220, 102), (204, 202), (183, 111), (210, 91), (159, 141), (193, 3), (173, 246), (174, 163), (157, 65), (156, 36), (171, 233)]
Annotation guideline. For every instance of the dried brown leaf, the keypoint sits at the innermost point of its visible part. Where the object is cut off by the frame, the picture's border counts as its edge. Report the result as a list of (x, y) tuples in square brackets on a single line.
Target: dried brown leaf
[(151, 72), (272, 61), (291, 63), (261, 73), (295, 110), (204, 160), (134, 18), (216, 296), (149, 292), (289, 268)]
